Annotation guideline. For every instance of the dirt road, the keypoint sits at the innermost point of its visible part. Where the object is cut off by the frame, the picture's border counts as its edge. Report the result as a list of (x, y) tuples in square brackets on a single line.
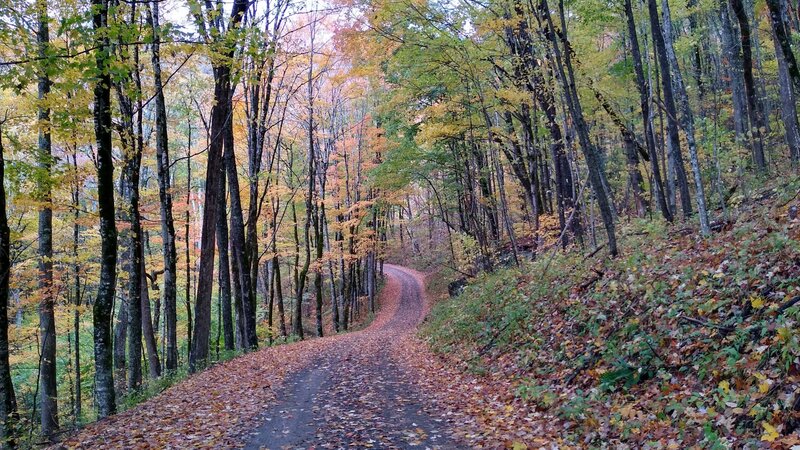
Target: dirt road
[(355, 395)]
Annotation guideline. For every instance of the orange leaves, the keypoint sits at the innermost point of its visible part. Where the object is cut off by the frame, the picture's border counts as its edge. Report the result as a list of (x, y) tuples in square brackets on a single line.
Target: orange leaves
[(209, 410)]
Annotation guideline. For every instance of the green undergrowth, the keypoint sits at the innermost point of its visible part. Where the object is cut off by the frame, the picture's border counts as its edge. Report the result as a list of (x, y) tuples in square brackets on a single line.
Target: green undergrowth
[(678, 341)]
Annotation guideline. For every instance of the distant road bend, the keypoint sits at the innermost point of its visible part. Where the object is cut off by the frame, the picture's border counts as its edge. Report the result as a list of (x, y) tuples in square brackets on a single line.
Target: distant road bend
[(354, 394)]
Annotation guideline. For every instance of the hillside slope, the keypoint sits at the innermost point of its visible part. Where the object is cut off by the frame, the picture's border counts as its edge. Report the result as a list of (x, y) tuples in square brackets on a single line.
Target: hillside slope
[(680, 341)]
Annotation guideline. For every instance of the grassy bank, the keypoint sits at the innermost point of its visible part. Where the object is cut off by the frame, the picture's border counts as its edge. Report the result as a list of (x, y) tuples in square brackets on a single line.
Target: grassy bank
[(679, 341)]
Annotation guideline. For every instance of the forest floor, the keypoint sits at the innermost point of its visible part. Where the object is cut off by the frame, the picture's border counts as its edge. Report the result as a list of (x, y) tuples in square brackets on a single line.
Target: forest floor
[(355, 393), (680, 342), (379, 387)]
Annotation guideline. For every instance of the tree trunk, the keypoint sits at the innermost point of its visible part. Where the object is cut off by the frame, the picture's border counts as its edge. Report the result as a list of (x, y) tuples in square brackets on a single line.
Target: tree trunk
[(224, 267), (687, 120), (165, 196), (153, 361), (786, 81), (297, 313), (220, 116), (47, 323), (732, 61), (187, 293), (753, 111), (593, 157), (319, 244), (279, 294), (8, 400), (318, 293), (644, 101), (783, 39), (130, 179), (121, 339), (77, 295), (240, 265), (673, 137), (310, 204), (103, 305)]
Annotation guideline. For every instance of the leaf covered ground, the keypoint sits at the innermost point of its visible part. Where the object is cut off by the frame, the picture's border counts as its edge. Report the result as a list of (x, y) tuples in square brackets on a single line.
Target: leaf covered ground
[(358, 394), (679, 342), (212, 409), (351, 390)]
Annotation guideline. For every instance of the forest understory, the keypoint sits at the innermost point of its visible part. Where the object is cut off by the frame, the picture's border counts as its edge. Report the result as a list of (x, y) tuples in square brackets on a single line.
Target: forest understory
[(251, 405), (679, 342)]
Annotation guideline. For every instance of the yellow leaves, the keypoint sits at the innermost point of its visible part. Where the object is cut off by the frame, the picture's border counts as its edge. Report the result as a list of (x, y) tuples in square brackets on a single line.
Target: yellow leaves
[(757, 302), (628, 411), (770, 433), (725, 386), (519, 446), (431, 132), (784, 334), (513, 96), (764, 382)]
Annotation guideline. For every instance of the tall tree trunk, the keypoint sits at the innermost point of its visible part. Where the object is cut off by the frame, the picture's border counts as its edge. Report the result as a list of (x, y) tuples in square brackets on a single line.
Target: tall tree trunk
[(279, 294), (132, 152), (121, 338), (220, 116), (732, 61), (687, 120), (149, 324), (239, 262), (165, 195), (186, 225), (332, 280), (103, 305), (319, 245), (592, 154), (47, 323), (318, 290), (644, 101), (673, 136), (787, 83), (782, 31), (310, 203), (753, 111), (135, 290), (148, 333), (8, 400), (297, 313), (77, 294), (224, 267), (131, 144)]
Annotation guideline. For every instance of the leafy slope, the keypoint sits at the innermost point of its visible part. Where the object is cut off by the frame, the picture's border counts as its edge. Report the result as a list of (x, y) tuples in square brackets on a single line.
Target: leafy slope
[(678, 342)]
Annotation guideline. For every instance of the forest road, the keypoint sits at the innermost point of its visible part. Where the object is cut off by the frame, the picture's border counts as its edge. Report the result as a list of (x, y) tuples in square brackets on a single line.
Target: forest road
[(356, 395)]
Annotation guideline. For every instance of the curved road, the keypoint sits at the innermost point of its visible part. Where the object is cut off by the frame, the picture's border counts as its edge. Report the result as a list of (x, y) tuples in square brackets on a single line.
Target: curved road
[(355, 395)]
